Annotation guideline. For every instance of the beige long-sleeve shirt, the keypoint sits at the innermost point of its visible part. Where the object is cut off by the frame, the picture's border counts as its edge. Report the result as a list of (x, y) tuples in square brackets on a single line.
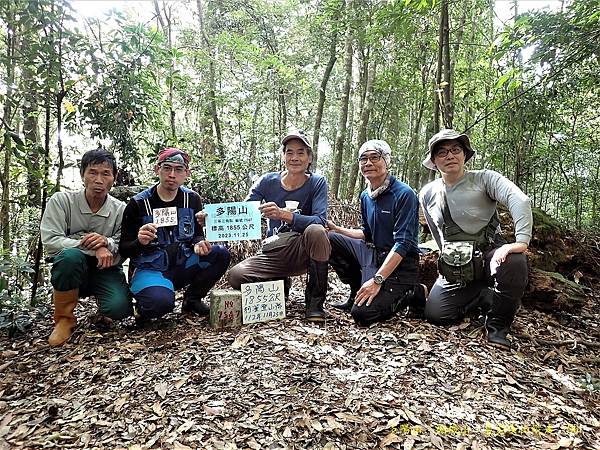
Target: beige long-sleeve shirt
[(68, 217)]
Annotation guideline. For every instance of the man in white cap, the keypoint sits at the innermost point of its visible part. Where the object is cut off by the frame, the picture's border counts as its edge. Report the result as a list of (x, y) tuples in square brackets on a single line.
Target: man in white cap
[(380, 260), (296, 237), (460, 209)]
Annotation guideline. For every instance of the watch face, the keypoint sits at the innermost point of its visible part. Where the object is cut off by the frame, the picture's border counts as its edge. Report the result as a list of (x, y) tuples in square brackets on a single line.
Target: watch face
[(378, 279)]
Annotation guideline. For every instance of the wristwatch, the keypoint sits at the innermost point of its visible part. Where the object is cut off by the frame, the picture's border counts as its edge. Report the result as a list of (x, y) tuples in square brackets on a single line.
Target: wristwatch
[(378, 279)]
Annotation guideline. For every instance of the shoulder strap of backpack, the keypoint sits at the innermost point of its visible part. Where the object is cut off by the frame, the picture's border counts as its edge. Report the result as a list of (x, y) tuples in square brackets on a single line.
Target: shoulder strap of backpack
[(450, 227), (484, 236)]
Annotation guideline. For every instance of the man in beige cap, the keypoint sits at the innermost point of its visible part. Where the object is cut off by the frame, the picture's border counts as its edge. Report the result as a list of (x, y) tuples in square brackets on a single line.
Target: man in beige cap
[(460, 209)]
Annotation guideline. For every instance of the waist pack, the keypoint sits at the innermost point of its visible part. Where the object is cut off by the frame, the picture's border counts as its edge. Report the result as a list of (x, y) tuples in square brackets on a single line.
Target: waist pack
[(461, 262), (278, 241)]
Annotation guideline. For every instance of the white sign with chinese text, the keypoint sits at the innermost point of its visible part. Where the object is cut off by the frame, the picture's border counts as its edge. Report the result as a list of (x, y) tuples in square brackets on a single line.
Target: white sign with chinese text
[(262, 301), (235, 221), (165, 217)]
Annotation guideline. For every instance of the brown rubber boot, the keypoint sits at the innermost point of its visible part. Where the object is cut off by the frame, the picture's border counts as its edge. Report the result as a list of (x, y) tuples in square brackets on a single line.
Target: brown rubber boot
[(64, 319)]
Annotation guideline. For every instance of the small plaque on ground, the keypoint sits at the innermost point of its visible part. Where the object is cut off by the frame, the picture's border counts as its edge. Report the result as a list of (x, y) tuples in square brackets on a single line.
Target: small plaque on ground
[(225, 308), (263, 301)]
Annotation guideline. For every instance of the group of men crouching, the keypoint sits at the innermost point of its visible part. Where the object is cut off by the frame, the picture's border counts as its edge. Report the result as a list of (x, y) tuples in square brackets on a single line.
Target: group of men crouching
[(89, 233)]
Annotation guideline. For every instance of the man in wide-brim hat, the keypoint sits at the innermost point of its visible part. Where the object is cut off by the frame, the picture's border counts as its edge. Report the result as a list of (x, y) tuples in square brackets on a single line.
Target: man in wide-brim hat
[(461, 207)]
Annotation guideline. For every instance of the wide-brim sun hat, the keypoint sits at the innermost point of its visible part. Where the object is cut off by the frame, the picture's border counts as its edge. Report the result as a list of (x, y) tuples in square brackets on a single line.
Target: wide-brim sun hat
[(447, 135)]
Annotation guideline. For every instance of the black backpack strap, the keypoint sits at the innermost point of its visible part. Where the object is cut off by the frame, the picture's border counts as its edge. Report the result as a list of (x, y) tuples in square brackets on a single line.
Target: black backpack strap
[(492, 226), (68, 220)]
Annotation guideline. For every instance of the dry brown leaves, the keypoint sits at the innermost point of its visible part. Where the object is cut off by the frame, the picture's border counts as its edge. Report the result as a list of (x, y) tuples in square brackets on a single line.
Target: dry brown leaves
[(404, 384)]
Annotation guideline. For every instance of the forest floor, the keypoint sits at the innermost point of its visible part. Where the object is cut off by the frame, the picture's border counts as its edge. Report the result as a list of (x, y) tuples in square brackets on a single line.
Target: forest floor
[(406, 384)]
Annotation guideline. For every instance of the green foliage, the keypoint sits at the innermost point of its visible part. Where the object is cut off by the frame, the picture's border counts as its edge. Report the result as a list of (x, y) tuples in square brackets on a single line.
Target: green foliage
[(590, 382), (119, 97), (547, 119), (218, 181), (14, 322), (15, 273)]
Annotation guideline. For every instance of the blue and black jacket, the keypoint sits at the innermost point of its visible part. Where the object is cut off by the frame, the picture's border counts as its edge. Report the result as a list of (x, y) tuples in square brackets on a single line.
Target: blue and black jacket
[(174, 244)]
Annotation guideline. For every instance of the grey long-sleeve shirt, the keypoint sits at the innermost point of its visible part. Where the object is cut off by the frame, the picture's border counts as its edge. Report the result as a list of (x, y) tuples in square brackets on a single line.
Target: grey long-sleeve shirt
[(68, 217), (472, 202)]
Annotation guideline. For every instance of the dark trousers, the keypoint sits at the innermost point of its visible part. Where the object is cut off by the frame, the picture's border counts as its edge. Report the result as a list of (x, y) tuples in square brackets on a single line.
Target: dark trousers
[(449, 303), (356, 262), (73, 269), (154, 291)]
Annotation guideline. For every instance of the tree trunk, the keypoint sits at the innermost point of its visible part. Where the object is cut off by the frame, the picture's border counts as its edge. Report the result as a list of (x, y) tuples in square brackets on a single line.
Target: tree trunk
[(253, 140), (446, 89), (5, 207), (212, 84), (165, 24), (10, 64), (362, 129), (343, 118), (458, 37), (322, 92), (282, 108), (437, 90), (46, 167), (30, 126), (60, 95), (32, 143), (349, 145)]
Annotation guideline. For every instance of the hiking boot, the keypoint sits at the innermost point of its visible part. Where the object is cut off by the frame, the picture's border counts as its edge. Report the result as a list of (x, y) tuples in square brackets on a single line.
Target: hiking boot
[(195, 306), (64, 317), (496, 336), (347, 304), (316, 290), (499, 320), (415, 301)]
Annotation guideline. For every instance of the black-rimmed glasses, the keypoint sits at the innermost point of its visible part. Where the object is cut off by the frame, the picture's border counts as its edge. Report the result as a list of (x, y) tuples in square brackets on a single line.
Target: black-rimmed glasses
[(372, 158), (443, 152)]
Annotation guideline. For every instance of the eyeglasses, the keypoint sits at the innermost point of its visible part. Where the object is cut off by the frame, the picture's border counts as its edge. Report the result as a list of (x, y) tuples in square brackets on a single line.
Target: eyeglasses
[(443, 152), (165, 168), (372, 158)]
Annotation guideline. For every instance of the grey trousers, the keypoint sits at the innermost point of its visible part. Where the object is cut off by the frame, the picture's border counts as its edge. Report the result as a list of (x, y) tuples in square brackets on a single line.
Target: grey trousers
[(449, 303), (287, 261)]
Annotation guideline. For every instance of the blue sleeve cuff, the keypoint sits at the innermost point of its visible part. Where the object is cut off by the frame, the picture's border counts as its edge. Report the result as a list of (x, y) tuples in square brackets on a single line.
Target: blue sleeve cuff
[(401, 249)]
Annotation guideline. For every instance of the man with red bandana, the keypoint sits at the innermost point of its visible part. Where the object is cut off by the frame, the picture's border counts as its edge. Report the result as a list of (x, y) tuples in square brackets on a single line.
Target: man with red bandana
[(167, 248)]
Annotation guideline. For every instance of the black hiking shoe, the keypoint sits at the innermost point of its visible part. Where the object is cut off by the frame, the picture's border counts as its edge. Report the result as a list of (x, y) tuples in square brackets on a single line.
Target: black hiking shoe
[(347, 304), (195, 307)]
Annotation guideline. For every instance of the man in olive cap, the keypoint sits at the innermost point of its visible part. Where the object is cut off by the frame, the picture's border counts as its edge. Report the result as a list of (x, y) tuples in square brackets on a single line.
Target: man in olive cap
[(460, 209), (380, 260), (296, 237)]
